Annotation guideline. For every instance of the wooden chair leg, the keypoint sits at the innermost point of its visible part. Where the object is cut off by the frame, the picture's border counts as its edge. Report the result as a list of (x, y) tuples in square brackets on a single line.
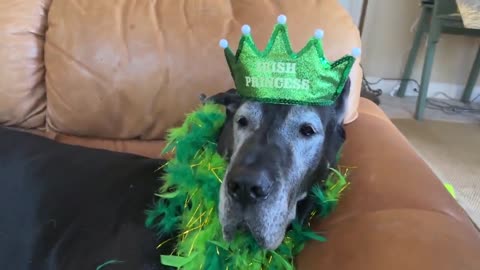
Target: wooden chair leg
[(422, 26), (433, 37), (472, 79)]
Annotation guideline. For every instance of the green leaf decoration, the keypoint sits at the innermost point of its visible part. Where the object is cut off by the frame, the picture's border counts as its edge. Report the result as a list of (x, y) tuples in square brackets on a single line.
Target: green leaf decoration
[(176, 261), (169, 195)]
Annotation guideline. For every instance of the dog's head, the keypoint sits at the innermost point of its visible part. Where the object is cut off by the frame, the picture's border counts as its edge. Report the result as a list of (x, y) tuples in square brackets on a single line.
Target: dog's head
[(275, 153)]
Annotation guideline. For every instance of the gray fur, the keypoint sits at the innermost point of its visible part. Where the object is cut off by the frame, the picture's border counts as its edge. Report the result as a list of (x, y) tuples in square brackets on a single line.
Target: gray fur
[(253, 112)]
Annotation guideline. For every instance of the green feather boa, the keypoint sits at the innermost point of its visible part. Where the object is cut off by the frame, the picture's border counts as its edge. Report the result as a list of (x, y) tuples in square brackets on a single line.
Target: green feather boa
[(187, 204)]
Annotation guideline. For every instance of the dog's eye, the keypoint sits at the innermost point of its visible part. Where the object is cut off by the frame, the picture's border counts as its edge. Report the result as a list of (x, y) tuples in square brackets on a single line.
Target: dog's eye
[(307, 130), (242, 122)]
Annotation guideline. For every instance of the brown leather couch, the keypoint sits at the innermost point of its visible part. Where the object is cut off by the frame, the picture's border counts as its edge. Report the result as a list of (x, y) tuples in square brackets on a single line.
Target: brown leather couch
[(117, 74)]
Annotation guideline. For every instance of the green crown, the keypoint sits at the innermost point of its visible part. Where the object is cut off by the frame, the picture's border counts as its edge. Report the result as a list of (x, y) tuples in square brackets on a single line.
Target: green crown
[(280, 76)]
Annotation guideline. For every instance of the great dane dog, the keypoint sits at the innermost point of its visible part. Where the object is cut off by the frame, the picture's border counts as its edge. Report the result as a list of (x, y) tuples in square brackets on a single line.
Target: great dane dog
[(276, 153), (65, 207)]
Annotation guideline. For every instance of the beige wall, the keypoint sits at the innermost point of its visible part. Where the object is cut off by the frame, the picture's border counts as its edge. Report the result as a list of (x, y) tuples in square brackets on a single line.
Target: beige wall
[(354, 7), (387, 40)]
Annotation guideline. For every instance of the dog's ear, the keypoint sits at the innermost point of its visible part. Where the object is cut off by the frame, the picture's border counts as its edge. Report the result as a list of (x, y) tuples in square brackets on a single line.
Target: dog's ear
[(341, 103), (230, 99), (335, 132)]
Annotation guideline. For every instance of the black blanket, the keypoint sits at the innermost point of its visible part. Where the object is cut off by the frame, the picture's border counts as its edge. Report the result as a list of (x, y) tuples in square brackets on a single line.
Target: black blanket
[(66, 207)]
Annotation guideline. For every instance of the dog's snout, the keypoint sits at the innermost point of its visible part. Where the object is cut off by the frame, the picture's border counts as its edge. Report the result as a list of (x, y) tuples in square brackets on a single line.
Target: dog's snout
[(250, 158), (246, 187)]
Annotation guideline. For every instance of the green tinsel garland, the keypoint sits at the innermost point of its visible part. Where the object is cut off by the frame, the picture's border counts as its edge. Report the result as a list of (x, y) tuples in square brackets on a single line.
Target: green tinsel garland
[(187, 204)]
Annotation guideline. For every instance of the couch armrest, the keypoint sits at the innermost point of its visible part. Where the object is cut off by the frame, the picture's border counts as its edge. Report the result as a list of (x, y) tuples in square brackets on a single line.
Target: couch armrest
[(396, 213)]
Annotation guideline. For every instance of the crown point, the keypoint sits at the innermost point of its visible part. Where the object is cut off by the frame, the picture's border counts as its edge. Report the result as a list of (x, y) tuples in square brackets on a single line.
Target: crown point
[(246, 29), (282, 19), (223, 43), (356, 52), (319, 33)]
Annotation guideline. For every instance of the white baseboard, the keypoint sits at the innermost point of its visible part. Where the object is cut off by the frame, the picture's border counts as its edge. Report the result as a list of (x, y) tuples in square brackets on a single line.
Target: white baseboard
[(435, 89)]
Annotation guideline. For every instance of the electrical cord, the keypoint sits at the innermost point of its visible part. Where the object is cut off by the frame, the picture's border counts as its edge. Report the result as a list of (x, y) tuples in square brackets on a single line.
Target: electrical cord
[(378, 92), (396, 79), (451, 98), (451, 108), (366, 85), (375, 92), (473, 100), (435, 104)]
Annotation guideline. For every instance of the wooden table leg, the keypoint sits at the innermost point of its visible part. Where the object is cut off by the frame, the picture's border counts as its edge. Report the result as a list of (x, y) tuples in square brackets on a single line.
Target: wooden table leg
[(423, 24), (472, 79), (433, 38)]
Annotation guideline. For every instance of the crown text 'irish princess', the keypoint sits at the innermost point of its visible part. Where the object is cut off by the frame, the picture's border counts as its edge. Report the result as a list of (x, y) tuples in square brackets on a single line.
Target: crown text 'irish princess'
[(280, 76)]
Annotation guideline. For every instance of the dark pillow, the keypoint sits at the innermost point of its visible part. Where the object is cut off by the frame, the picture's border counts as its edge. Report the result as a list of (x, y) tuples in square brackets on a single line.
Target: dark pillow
[(68, 207)]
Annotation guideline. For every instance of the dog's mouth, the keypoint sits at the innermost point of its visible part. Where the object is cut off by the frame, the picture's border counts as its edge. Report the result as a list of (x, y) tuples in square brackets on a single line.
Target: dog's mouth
[(267, 221), (268, 242)]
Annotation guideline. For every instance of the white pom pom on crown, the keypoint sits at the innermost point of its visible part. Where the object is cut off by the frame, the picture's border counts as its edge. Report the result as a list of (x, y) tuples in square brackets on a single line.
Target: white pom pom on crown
[(356, 52), (223, 43), (246, 29), (319, 33), (282, 19)]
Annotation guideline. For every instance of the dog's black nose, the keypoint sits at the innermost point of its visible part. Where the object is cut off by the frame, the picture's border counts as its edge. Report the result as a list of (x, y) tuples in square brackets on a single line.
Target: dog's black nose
[(247, 187)]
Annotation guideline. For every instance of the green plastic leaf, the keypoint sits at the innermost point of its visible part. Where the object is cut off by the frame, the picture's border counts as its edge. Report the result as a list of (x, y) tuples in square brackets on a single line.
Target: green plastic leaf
[(286, 264), (451, 190), (218, 244), (176, 261), (168, 148), (169, 195), (340, 178), (314, 236)]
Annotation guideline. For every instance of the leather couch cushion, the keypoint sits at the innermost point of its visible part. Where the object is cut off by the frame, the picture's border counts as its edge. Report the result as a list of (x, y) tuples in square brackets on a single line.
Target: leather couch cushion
[(395, 240), (134, 68), (151, 148), (22, 88)]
